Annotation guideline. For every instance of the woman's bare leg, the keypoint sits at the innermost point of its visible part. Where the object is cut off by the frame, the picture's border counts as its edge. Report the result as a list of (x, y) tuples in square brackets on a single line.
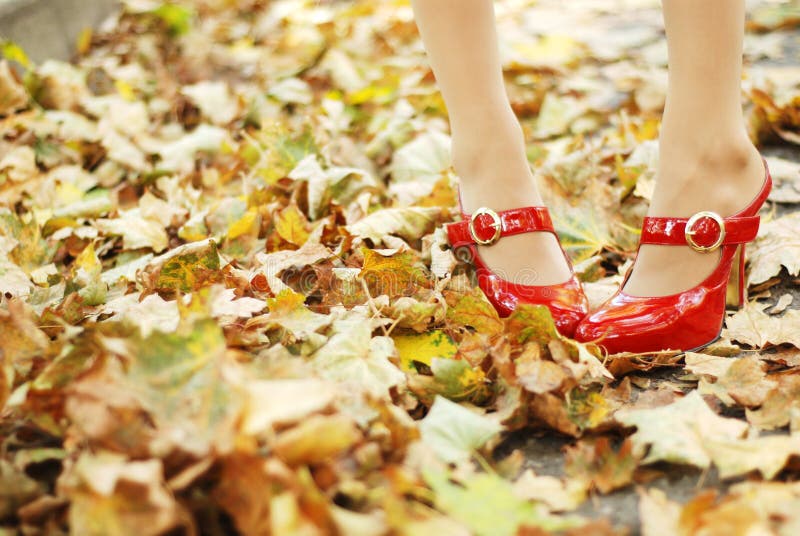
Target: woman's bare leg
[(706, 160), (488, 147)]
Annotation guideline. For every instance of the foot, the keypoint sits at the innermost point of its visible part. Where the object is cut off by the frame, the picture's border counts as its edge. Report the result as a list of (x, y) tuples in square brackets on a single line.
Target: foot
[(723, 180), (500, 179)]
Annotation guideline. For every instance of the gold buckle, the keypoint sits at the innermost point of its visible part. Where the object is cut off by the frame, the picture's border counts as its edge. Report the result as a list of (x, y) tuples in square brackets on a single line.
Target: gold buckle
[(497, 224), (690, 232)]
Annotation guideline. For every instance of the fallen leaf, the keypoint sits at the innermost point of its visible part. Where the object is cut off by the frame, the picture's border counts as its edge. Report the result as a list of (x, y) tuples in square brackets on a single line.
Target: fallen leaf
[(409, 223), (114, 496), (678, 433), (423, 348), (317, 439), (478, 502), (474, 310), (559, 495), (601, 466), (777, 246), (778, 404), (352, 357), (454, 432), (752, 326), (659, 515), (283, 401), (14, 96)]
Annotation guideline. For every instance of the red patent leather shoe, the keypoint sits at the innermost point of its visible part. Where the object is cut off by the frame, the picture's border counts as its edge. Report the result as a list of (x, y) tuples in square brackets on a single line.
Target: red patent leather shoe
[(691, 319), (566, 301)]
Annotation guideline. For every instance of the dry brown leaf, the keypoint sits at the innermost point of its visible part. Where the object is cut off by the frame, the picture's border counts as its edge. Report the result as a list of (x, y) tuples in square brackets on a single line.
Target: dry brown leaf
[(777, 246), (752, 326)]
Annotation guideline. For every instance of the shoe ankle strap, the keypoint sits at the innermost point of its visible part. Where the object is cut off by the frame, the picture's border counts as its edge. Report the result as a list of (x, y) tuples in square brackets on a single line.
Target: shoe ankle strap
[(486, 226), (704, 232)]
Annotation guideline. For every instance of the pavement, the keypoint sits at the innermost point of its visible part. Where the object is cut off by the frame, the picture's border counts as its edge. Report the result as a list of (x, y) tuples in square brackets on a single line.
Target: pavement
[(49, 28)]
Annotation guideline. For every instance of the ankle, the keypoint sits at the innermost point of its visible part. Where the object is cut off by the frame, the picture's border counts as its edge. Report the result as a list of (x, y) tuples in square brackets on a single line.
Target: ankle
[(493, 168), (720, 175)]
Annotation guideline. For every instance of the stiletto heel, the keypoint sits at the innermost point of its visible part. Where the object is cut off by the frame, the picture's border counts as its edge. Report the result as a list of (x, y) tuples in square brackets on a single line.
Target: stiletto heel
[(736, 295), (566, 301), (691, 319)]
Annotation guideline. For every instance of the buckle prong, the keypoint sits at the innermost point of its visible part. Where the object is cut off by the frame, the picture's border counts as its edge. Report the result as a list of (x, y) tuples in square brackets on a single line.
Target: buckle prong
[(496, 224), (689, 232)]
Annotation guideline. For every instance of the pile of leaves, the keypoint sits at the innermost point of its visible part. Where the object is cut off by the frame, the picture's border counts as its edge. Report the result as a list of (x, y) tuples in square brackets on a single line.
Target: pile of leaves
[(229, 306)]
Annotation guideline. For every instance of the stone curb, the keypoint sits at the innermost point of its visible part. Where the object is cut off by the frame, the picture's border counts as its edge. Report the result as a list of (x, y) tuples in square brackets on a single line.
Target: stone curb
[(49, 28)]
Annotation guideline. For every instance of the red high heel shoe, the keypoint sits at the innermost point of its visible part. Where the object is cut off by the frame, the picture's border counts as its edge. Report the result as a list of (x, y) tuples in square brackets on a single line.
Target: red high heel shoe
[(692, 319), (566, 301)]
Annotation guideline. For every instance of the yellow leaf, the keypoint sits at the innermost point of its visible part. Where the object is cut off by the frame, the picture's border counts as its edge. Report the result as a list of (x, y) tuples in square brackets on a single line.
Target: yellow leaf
[(125, 90), (84, 41), (423, 347), (245, 225), (291, 225), (549, 50), (395, 275), (370, 94), (287, 301), (13, 52)]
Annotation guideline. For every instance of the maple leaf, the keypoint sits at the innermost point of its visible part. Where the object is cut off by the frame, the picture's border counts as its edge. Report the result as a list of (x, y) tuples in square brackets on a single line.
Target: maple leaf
[(32, 249), (488, 506), (423, 347), (679, 432), (177, 379), (317, 439), (395, 275), (596, 462), (21, 343), (454, 432), (111, 495), (752, 326), (474, 310), (14, 96), (409, 223), (776, 246), (186, 268), (559, 495), (779, 405), (291, 225), (352, 357)]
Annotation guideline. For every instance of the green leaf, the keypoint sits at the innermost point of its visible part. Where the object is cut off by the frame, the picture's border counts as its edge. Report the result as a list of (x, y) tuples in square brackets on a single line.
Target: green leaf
[(532, 323), (279, 150), (177, 18), (178, 379), (13, 52), (454, 432), (488, 505), (33, 251)]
